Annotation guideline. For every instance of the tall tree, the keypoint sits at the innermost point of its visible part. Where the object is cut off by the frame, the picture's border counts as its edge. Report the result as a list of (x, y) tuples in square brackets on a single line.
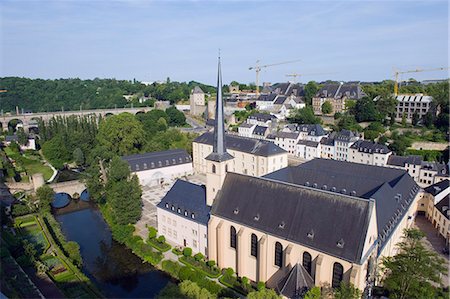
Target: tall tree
[(44, 196), (327, 108), (311, 88), (304, 116), (121, 134), (413, 271)]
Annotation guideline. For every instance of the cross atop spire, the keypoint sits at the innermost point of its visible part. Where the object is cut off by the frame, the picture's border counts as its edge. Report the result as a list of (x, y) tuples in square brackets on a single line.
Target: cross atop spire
[(219, 152)]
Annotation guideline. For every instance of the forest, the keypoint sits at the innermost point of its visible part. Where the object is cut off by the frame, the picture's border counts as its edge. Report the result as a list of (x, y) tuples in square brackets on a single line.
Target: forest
[(39, 95)]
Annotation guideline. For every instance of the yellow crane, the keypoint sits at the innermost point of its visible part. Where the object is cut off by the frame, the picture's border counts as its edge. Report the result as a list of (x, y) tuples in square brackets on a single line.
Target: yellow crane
[(258, 68), (295, 75), (397, 73)]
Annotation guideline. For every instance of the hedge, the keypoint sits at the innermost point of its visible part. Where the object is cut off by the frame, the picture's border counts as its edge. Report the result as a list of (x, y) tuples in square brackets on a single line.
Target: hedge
[(201, 266)]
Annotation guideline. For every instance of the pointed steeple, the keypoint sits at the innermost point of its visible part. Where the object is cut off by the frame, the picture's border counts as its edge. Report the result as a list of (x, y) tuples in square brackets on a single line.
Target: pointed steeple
[(219, 152)]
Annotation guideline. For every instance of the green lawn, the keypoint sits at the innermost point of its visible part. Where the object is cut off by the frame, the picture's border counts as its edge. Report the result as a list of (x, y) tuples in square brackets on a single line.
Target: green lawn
[(29, 163)]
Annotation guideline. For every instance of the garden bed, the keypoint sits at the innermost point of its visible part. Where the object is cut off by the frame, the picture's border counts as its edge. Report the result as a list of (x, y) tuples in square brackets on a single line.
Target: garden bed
[(163, 247), (201, 266)]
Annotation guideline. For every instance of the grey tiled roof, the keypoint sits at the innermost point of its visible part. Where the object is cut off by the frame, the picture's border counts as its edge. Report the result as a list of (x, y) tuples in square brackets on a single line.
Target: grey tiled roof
[(296, 282), (246, 125), (154, 160), (312, 217), (280, 100), (402, 160), (352, 91), (440, 168), (187, 199), (260, 130), (437, 188), (313, 130), (247, 145), (345, 135), (262, 117), (392, 189), (288, 135), (197, 89), (366, 146), (308, 143)]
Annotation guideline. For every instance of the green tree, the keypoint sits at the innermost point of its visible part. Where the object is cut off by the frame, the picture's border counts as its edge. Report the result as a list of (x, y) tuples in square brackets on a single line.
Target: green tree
[(400, 144), (365, 110), (348, 122), (78, 156), (404, 120), (44, 196), (428, 119), (176, 117), (304, 116), (193, 291), (73, 250), (311, 89), (415, 118), (123, 193), (56, 152), (413, 271), (313, 293), (386, 104), (347, 291), (327, 108), (263, 294), (121, 134), (22, 137)]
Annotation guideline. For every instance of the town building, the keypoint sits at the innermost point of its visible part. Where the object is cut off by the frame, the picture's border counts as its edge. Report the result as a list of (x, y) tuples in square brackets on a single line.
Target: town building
[(342, 142), (437, 207), (260, 132), (183, 216), (286, 140), (336, 221), (261, 119), (155, 168), (246, 129), (197, 101), (407, 105), (336, 94), (368, 152)]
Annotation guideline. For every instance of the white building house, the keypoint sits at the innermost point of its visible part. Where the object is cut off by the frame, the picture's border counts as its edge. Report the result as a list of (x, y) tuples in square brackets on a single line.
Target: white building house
[(246, 129), (286, 140), (261, 119), (183, 216), (155, 168), (368, 152)]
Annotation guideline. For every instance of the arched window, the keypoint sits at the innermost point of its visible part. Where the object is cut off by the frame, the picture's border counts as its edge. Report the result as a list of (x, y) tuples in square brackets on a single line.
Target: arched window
[(307, 262), (214, 168), (278, 254), (233, 237), (254, 245), (338, 274)]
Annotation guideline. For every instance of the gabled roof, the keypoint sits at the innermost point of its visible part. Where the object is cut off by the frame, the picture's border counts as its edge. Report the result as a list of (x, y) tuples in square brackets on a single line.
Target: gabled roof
[(186, 199), (440, 168), (287, 135), (345, 135), (280, 100), (402, 160), (329, 222), (337, 91), (392, 189), (313, 130), (247, 145), (308, 143), (260, 130), (267, 97), (154, 160), (367, 146), (262, 117), (246, 125)]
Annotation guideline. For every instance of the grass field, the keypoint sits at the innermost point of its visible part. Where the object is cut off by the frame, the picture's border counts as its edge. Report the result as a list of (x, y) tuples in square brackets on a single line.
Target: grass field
[(30, 162)]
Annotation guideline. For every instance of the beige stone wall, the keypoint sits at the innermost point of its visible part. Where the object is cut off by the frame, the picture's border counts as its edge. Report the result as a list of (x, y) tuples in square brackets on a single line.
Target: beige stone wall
[(242, 163), (368, 158), (263, 268)]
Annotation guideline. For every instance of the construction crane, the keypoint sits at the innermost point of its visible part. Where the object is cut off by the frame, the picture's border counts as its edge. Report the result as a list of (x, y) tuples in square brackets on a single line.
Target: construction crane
[(397, 73), (258, 68), (295, 75)]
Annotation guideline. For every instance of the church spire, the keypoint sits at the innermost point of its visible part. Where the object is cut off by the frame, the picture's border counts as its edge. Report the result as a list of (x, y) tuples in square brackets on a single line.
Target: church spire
[(219, 152)]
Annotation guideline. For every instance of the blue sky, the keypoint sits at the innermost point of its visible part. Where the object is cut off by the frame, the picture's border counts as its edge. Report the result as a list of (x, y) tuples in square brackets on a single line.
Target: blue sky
[(153, 40)]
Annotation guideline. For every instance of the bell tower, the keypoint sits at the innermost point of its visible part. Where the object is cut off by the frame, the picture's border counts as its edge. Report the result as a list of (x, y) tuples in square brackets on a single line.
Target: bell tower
[(216, 162)]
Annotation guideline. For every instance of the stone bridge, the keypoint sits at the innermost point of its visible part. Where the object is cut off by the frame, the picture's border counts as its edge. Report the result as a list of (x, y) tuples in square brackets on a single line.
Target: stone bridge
[(30, 119), (70, 187)]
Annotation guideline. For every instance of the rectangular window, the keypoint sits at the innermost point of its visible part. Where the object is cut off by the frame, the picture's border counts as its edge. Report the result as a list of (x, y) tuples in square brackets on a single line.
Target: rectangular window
[(175, 234), (194, 243), (174, 223)]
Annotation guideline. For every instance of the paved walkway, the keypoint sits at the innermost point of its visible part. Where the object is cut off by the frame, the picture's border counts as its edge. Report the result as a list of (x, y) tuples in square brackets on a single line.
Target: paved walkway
[(434, 241)]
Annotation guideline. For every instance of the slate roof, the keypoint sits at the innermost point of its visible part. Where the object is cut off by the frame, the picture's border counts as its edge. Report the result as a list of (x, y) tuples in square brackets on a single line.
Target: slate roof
[(280, 100), (197, 89), (345, 135), (247, 145), (262, 117), (288, 135), (260, 130), (313, 130), (267, 97), (296, 283), (329, 222), (392, 189), (367, 146), (337, 91), (154, 160), (308, 143), (246, 125), (186, 199), (437, 188), (443, 207), (402, 160), (440, 168), (327, 140)]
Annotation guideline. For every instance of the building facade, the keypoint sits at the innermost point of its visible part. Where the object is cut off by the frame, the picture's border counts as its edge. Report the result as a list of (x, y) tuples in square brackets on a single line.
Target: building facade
[(407, 105), (197, 101), (336, 94)]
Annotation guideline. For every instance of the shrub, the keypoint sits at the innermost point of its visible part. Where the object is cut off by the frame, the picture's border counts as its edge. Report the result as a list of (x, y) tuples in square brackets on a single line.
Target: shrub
[(186, 273), (187, 252), (244, 280), (152, 232), (161, 239), (21, 209), (229, 271), (211, 263), (261, 285), (177, 251), (171, 267), (198, 257)]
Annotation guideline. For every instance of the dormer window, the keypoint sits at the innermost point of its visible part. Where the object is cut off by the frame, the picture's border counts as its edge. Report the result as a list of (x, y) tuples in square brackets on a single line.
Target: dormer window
[(236, 211), (152, 165), (185, 213), (193, 216), (173, 161), (179, 211), (137, 167), (340, 243), (159, 163), (173, 208), (256, 218), (145, 165), (310, 235), (167, 205), (281, 225)]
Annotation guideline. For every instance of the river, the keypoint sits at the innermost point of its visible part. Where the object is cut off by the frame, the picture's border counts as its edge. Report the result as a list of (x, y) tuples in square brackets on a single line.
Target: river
[(116, 271)]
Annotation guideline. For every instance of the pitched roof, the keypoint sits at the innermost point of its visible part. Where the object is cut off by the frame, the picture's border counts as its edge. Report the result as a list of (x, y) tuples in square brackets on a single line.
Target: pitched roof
[(308, 143), (345, 135), (392, 189), (402, 160), (296, 283), (288, 135), (154, 160), (186, 199), (280, 100), (418, 98), (262, 117), (367, 146), (197, 89), (313, 130), (260, 130), (337, 90), (441, 168), (248, 145), (329, 222), (246, 125), (437, 188)]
